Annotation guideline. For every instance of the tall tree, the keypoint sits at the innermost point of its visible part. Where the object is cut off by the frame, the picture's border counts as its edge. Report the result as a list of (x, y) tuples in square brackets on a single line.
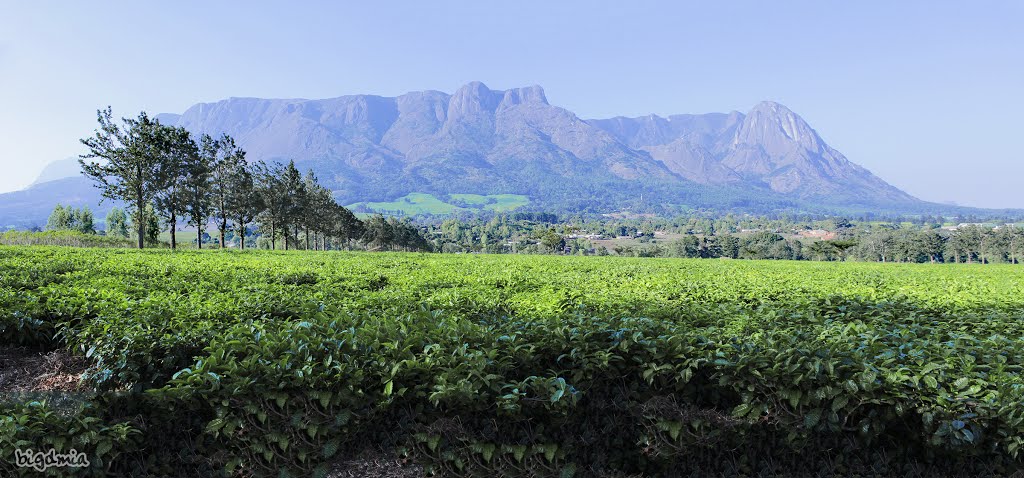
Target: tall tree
[(270, 188), (228, 159), (378, 233), (198, 186), (293, 200), (318, 208), (148, 224), (179, 150), (60, 219), (347, 227), (244, 202), (83, 221), (117, 223), (131, 164)]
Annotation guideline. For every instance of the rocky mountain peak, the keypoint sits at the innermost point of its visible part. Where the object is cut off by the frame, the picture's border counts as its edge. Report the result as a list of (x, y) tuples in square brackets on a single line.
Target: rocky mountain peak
[(771, 124), (528, 95), (473, 98), (482, 140)]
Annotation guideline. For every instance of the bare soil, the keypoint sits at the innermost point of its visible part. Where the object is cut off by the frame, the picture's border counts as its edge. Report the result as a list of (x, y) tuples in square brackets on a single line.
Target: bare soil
[(25, 370), (374, 463)]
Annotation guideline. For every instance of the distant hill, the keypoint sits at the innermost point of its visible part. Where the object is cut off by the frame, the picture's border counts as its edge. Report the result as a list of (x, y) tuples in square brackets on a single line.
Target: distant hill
[(32, 206), (64, 168), (376, 150)]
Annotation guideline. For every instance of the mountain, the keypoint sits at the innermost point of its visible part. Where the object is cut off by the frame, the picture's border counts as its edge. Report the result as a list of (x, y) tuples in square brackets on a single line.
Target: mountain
[(32, 206), (476, 140), (771, 146), (59, 169), (479, 140), (482, 141)]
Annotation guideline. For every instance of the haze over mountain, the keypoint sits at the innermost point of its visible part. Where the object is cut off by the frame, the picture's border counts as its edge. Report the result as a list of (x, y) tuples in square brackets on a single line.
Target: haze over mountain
[(488, 141), (483, 141), (63, 168)]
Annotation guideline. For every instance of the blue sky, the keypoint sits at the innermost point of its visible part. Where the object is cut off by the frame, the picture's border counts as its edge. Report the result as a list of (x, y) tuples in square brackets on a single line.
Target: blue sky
[(926, 94)]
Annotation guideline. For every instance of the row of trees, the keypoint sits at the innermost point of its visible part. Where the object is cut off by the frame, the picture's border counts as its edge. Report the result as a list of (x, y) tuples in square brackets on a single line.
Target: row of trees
[(162, 170), (835, 239), (118, 224), (69, 218), (969, 244)]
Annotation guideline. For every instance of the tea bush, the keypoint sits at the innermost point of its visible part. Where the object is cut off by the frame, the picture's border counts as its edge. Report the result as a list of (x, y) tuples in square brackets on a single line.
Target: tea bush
[(280, 364)]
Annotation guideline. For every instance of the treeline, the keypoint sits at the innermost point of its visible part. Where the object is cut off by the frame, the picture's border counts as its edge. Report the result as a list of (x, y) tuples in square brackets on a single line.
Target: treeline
[(67, 218), (832, 239), (167, 176), (968, 244)]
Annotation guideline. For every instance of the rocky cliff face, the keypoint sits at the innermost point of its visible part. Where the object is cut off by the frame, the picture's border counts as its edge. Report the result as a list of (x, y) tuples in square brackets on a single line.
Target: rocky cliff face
[(770, 146), (478, 140), (482, 136)]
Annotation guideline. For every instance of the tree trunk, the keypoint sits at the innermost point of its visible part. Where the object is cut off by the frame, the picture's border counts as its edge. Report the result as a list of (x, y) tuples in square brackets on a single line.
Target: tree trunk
[(140, 207), (307, 238), (174, 225), (199, 237), (273, 237), (223, 229), (241, 237)]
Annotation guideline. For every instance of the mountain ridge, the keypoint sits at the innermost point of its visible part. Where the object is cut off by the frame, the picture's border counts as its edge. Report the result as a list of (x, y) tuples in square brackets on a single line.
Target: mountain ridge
[(515, 141), (496, 139)]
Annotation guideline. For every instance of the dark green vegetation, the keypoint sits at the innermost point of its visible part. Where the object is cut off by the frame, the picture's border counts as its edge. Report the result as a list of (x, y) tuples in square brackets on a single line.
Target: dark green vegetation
[(280, 364), (923, 239), (165, 175)]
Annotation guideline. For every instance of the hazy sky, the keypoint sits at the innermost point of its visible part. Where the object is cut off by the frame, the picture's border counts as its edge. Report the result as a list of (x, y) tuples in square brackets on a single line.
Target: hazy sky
[(926, 94)]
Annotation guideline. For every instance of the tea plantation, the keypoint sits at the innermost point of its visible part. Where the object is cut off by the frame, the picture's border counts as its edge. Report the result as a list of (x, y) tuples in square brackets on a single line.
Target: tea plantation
[(283, 364)]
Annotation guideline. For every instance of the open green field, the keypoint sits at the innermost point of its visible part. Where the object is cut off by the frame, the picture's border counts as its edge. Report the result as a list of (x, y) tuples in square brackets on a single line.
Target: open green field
[(222, 363), (420, 203), (494, 202), (183, 238)]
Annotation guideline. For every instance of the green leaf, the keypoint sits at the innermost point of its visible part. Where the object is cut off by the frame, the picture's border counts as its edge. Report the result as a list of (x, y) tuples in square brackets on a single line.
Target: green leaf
[(812, 418), (519, 451), (331, 447), (549, 452), (741, 410), (215, 425), (487, 450)]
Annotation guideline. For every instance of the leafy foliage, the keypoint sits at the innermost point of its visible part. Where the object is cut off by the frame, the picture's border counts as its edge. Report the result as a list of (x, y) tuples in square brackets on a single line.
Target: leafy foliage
[(532, 366)]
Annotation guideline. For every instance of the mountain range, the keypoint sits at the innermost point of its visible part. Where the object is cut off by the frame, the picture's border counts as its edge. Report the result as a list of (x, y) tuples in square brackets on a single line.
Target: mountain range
[(482, 141)]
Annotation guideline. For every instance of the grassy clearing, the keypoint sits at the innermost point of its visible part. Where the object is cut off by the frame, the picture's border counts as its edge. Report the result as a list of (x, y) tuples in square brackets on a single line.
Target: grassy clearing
[(420, 203)]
